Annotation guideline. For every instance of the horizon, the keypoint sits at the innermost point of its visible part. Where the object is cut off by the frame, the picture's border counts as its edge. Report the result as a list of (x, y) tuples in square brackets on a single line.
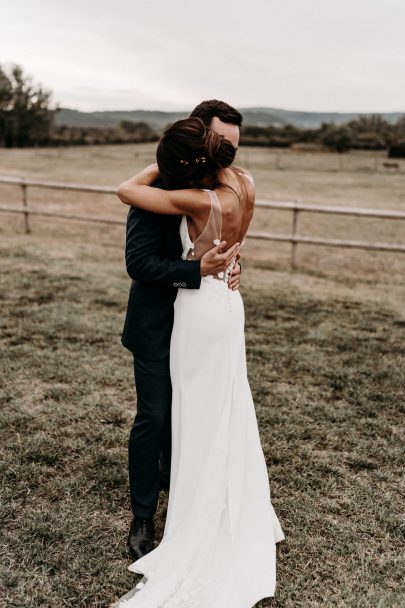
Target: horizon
[(240, 108)]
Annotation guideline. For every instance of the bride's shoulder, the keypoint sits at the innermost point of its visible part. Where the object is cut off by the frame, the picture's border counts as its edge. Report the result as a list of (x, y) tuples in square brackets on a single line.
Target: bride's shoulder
[(233, 171), (242, 171), (245, 174), (247, 179)]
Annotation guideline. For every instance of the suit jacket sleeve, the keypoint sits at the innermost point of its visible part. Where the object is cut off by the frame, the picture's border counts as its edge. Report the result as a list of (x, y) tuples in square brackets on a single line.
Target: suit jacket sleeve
[(144, 232)]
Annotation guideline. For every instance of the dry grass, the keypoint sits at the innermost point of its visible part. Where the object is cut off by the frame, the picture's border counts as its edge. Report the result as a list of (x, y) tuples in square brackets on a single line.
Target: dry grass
[(326, 362)]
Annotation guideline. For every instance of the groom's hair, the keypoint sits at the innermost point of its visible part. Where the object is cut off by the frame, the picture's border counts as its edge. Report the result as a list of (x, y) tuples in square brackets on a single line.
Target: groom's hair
[(206, 110)]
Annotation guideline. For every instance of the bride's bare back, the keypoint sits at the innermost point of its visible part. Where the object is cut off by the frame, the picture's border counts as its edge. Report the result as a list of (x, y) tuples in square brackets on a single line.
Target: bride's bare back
[(230, 222)]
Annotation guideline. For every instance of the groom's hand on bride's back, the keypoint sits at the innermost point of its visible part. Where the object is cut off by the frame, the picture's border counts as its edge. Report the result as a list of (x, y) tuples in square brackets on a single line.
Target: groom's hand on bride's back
[(216, 260)]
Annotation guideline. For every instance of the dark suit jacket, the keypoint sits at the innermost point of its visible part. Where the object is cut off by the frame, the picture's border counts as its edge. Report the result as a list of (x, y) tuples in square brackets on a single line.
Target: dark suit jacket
[(153, 259)]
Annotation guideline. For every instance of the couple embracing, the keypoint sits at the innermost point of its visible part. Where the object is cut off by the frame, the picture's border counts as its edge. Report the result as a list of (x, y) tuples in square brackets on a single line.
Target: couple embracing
[(195, 433)]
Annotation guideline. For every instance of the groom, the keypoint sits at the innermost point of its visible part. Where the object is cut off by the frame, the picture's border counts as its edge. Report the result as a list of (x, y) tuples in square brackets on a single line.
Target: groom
[(153, 260)]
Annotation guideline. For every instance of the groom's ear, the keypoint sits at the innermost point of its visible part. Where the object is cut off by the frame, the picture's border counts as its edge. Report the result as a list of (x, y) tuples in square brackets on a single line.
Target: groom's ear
[(227, 129)]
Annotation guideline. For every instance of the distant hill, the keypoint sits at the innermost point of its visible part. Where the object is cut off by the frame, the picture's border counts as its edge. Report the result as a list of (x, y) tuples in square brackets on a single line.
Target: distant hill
[(75, 118), (261, 117)]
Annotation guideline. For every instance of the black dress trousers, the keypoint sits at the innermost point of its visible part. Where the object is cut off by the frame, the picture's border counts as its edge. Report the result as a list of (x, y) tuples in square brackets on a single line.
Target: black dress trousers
[(153, 261)]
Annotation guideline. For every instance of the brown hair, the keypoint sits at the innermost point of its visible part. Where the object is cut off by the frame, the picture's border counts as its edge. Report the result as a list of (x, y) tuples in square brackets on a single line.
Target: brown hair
[(206, 110), (190, 154)]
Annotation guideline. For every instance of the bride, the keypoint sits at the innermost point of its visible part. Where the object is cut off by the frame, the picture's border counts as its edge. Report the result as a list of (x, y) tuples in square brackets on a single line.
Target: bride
[(219, 543)]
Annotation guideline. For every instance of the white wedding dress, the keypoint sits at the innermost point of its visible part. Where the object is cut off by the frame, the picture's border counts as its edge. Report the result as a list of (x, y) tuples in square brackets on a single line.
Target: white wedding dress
[(219, 544)]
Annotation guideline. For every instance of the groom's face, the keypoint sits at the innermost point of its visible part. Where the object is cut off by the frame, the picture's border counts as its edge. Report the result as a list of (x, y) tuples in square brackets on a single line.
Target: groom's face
[(229, 131)]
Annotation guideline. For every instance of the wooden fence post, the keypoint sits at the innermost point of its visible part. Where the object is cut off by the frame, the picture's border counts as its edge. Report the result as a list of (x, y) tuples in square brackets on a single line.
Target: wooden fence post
[(294, 244), (25, 205)]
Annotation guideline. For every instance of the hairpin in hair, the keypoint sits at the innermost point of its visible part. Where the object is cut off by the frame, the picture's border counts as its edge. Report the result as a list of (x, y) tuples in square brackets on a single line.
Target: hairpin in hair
[(199, 159)]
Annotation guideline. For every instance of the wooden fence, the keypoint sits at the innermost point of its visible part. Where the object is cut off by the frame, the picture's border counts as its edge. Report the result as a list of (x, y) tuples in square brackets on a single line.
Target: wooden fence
[(294, 206)]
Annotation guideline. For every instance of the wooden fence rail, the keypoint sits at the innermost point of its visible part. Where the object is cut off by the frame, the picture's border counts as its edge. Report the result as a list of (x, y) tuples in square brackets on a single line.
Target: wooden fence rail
[(295, 207)]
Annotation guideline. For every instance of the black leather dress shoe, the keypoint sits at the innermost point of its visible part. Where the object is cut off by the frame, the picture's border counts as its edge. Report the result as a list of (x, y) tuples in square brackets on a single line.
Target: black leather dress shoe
[(140, 537)]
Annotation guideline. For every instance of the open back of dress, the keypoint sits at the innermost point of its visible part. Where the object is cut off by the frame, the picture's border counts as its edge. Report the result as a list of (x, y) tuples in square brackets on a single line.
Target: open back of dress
[(210, 236)]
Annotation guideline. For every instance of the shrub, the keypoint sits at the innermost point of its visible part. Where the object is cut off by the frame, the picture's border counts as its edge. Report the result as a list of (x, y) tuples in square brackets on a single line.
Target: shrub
[(397, 150)]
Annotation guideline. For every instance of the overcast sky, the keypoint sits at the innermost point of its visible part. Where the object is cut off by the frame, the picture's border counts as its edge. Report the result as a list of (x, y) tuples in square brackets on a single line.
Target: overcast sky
[(331, 55)]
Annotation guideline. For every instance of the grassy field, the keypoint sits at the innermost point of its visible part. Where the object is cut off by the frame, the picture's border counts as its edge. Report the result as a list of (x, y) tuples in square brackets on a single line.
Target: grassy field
[(326, 363)]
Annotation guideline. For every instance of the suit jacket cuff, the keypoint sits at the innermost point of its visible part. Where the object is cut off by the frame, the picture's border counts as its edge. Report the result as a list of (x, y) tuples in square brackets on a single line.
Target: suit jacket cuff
[(193, 276)]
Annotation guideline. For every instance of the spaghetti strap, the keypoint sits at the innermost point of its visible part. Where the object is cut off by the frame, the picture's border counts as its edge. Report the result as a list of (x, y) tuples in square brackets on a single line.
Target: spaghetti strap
[(215, 218), (211, 233)]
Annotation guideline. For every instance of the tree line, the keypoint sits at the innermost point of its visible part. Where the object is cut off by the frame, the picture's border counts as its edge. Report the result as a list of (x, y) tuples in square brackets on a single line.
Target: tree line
[(27, 118), (364, 133)]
